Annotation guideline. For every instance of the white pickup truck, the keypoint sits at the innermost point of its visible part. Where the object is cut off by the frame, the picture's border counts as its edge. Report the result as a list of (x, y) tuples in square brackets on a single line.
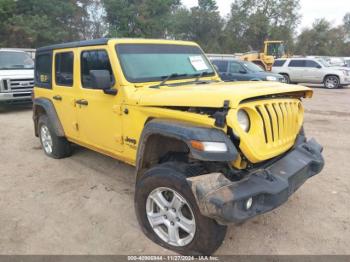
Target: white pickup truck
[(16, 76)]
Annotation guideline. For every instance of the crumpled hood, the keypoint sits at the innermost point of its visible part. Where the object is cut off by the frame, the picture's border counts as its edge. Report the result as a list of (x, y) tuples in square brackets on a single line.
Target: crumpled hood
[(214, 94), (17, 73)]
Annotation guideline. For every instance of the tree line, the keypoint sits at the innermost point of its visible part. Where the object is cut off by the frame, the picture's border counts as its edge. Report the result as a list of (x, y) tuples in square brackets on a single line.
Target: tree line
[(35, 23)]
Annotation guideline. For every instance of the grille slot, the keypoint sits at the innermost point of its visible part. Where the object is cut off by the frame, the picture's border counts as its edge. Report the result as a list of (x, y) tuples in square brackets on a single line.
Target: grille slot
[(5, 85), (280, 121)]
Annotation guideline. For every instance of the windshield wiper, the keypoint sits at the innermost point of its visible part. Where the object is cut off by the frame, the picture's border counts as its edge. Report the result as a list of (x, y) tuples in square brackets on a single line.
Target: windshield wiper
[(167, 78), (199, 76)]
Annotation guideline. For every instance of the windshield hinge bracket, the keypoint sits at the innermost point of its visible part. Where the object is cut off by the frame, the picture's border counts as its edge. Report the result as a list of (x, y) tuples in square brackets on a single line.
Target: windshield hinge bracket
[(220, 116)]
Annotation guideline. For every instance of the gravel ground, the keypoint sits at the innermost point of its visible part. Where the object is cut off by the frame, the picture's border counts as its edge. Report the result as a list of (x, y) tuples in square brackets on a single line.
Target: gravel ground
[(84, 204)]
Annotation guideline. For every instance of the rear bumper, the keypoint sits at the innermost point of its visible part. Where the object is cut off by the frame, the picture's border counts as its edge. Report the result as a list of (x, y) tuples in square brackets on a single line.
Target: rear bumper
[(223, 200)]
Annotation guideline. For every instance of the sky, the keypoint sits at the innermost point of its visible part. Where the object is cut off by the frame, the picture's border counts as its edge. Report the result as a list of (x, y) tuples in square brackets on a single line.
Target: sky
[(332, 10)]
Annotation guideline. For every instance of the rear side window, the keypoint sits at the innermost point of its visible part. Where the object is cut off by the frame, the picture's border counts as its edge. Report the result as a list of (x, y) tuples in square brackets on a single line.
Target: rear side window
[(94, 60), (64, 68), (297, 63), (221, 65), (43, 64), (279, 63)]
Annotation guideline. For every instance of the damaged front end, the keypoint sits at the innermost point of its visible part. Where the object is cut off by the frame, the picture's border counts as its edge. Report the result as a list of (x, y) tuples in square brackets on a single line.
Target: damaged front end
[(260, 191)]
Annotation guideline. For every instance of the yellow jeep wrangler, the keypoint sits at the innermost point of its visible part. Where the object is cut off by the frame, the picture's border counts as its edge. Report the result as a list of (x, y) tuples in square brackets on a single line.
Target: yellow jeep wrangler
[(207, 153)]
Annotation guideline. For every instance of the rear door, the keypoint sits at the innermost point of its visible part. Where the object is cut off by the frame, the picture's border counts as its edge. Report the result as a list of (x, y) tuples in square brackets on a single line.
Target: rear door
[(296, 69), (222, 67), (65, 87)]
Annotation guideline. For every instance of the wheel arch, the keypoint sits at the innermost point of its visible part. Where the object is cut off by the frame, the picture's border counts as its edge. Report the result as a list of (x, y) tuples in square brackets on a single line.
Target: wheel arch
[(43, 106), (327, 75), (160, 137)]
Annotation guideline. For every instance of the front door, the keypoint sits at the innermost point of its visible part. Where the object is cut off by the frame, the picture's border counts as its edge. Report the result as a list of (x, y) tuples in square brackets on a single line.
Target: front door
[(313, 72), (99, 114), (237, 72)]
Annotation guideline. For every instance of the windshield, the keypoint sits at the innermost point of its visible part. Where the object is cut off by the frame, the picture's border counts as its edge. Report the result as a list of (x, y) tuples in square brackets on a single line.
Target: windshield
[(15, 60), (155, 62), (252, 67), (324, 62)]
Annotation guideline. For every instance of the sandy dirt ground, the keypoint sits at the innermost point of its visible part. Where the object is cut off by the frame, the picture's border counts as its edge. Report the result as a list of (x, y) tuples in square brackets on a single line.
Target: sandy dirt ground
[(84, 204)]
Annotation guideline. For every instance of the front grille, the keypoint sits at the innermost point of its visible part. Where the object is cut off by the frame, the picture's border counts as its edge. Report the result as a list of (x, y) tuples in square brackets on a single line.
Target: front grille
[(20, 85), (280, 121), (275, 124)]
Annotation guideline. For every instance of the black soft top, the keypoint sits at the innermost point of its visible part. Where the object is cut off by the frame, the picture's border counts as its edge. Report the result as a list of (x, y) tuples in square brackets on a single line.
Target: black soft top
[(100, 41)]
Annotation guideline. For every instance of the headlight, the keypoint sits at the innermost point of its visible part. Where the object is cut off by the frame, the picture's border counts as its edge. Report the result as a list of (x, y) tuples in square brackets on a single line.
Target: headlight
[(243, 120), (271, 78)]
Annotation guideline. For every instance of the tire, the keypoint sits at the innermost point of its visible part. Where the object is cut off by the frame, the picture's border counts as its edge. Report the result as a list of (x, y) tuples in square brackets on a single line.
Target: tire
[(331, 82), (207, 235), (286, 78), (53, 146)]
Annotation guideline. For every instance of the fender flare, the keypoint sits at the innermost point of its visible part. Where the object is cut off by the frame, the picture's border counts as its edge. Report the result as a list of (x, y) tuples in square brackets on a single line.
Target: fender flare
[(50, 111), (186, 132)]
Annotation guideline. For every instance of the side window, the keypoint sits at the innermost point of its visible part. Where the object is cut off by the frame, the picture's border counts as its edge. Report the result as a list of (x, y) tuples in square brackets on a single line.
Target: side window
[(94, 60), (297, 63), (279, 63), (222, 65), (235, 68), (43, 64), (313, 64), (64, 68)]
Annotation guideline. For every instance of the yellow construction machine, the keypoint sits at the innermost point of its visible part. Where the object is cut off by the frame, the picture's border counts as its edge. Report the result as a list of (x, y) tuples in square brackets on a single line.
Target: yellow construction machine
[(272, 50)]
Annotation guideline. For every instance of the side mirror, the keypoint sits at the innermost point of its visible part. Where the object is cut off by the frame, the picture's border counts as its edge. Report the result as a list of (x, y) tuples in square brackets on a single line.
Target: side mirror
[(319, 67), (101, 79), (242, 71)]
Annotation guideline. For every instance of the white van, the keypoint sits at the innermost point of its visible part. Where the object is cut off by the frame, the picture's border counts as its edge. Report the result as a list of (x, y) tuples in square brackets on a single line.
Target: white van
[(16, 76)]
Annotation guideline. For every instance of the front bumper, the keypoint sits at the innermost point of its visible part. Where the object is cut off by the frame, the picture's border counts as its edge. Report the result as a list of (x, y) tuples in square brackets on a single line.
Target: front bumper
[(344, 80), (269, 187), (17, 97)]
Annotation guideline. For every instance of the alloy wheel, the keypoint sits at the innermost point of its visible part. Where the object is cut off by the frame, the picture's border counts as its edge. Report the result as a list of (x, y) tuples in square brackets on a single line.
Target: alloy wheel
[(46, 139), (171, 217)]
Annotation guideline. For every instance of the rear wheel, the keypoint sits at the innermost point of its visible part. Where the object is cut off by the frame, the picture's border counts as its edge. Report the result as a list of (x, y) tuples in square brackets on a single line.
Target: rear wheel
[(53, 146), (331, 82), (286, 78), (168, 213)]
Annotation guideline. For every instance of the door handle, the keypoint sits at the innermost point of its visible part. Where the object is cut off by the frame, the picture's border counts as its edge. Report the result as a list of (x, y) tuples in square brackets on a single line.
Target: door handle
[(57, 98), (82, 102)]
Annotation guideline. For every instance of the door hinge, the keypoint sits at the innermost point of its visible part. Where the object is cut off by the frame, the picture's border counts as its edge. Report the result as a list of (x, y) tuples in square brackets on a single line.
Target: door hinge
[(118, 109), (76, 126), (119, 139)]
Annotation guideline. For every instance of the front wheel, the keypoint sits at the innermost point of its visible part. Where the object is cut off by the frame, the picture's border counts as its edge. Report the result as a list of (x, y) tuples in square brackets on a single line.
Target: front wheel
[(168, 213), (331, 82)]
